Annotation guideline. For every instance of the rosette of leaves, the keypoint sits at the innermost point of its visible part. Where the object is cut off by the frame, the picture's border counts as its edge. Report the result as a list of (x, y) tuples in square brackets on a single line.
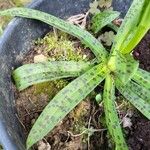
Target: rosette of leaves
[(118, 69)]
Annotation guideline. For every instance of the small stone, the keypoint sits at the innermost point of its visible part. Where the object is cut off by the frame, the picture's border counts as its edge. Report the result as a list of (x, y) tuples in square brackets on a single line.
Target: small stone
[(127, 122), (39, 51), (130, 113), (137, 54), (33, 121), (40, 58), (43, 145)]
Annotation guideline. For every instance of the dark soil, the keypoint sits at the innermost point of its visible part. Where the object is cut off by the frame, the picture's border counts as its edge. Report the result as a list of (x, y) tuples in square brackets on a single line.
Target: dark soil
[(142, 52), (139, 135)]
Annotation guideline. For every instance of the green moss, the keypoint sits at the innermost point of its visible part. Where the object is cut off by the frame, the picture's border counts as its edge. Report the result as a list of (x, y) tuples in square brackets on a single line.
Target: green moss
[(3, 22), (5, 4), (20, 2), (1, 147), (59, 47), (59, 84), (79, 114), (50, 88), (46, 88)]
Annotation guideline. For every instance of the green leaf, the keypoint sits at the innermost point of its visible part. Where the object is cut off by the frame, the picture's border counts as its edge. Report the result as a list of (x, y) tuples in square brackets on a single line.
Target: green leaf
[(140, 91), (101, 19), (111, 116), (145, 15), (129, 24), (139, 32), (129, 38), (129, 93), (142, 77), (76, 31), (65, 101), (31, 74), (123, 66), (113, 27)]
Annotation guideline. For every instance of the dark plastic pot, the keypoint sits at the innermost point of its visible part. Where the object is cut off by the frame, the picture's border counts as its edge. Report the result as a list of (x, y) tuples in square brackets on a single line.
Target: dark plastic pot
[(14, 44)]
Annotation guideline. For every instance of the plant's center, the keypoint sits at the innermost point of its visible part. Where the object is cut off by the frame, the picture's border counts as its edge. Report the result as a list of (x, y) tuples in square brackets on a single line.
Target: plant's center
[(123, 66)]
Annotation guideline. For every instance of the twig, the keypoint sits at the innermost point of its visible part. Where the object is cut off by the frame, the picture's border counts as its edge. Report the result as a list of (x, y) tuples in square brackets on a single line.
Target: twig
[(76, 135), (88, 133), (55, 33), (79, 19), (31, 101), (21, 122)]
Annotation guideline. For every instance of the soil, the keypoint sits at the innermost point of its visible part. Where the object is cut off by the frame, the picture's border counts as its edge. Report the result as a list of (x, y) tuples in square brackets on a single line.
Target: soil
[(139, 135), (142, 52)]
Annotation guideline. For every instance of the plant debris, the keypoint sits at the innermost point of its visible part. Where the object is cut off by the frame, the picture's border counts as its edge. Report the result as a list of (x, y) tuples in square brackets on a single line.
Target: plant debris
[(107, 38), (105, 3), (94, 8), (79, 20)]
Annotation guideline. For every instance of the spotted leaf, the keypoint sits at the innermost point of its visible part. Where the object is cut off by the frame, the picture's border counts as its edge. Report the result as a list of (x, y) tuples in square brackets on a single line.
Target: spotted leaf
[(123, 66), (142, 105), (76, 31), (65, 101), (129, 24), (111, 116), (138, 33), (142, 77), (31, 74), (140, 91), (101, 19)]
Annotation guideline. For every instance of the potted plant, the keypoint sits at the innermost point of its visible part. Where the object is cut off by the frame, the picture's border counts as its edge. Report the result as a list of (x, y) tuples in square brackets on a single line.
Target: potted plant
[(117, 68)]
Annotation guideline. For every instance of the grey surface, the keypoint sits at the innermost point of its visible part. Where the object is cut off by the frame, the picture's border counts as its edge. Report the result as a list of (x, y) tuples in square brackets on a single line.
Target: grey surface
[(121, 6), (14, 44)]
